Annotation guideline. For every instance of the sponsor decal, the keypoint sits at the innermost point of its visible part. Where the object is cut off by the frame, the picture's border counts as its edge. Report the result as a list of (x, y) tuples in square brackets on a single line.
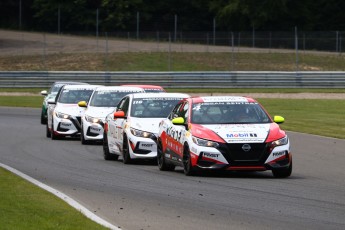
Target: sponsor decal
[(278, 154), (95, 130), (175, 134), (211, 155), (147, 145), (241, 135)]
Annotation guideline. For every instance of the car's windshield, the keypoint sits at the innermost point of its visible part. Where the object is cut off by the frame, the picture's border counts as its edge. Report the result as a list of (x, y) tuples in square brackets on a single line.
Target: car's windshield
[(73, 96), (107, 98), (55, 88), (228, 113), (153, 107)]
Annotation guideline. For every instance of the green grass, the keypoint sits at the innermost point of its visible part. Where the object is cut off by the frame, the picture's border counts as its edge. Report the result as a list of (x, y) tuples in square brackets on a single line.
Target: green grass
[(21, 101), (315, 116), (25, 206), (175, 61)]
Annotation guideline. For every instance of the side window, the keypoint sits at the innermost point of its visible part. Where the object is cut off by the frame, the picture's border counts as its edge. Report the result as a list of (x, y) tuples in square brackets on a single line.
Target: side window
[(121, 104), (125, 105), (174, 112), (183, 111)]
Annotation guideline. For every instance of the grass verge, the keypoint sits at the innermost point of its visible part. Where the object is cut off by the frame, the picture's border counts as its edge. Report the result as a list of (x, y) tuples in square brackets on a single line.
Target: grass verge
[(25, 206)]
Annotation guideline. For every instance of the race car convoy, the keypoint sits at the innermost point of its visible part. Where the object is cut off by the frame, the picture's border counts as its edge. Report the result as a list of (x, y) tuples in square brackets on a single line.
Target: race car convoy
[(223, 133)]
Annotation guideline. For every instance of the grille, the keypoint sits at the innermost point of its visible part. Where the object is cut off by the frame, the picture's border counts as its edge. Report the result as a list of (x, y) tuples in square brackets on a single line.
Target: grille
[(234, 153)]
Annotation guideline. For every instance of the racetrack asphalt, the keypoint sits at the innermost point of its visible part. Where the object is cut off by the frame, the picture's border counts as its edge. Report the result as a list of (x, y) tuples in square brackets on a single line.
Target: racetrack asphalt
[(139, 196)]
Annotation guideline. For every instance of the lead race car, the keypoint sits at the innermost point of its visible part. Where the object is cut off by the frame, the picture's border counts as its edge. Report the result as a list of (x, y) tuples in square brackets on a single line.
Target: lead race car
[(223, 133)]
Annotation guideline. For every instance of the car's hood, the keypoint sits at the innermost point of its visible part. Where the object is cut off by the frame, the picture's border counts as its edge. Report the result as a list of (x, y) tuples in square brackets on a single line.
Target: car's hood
[(70, 109), (98, 112), (233, 133), (146, 124)]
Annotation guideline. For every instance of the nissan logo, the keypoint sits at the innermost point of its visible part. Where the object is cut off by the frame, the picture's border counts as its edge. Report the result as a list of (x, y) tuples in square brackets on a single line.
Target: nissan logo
[(246, 147)]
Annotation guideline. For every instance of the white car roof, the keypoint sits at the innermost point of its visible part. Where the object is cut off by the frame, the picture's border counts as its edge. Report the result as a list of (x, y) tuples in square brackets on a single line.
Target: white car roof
[(81, 86), (159, 95), (120, 88), (225, 99)]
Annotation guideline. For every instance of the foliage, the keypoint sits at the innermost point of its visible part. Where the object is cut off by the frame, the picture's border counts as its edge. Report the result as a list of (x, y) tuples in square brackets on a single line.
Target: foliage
[(193, 15)]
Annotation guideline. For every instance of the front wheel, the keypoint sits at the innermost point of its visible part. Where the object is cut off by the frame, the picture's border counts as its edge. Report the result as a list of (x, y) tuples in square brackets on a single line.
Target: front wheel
[(107, 155), (187, 163), (125, 150), (52, 134), (48, 133), (162, 165), (282, 173), (82, 137)]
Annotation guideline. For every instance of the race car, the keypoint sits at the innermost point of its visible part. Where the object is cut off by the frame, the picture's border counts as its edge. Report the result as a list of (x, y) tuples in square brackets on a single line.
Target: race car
[(223, 133), (102, 102), (132, 129), (51, 94), (150, 88), (64, 114)]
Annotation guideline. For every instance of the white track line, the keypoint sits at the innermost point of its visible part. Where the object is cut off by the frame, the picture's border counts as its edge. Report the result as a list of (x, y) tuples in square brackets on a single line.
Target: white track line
[(64, 197)]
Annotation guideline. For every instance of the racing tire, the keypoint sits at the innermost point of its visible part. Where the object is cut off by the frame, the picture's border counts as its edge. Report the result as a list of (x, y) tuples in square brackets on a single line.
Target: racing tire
[(125, 151), (187, 162), (48, 133), (106, 153), (52, 134), (282, 173), (43, 119), (82, 138), (162, 165)]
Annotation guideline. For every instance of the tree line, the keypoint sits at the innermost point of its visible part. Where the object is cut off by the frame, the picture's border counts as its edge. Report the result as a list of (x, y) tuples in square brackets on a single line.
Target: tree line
[(188, 15)]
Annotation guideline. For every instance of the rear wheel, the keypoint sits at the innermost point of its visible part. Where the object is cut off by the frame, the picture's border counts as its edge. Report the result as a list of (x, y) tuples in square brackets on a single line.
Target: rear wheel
[(125, 150), (162, 165), (187, 163), (107, 155), (282, 173)]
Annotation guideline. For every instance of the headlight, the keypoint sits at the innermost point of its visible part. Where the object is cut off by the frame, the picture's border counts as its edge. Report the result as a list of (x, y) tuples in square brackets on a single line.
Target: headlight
[(140, 133), (62, 115), (92, 119), (283, 141), (205, 143)]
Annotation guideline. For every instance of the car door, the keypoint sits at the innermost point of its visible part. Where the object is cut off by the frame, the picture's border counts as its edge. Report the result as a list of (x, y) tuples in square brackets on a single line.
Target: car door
[(119, 124), (176, 133)]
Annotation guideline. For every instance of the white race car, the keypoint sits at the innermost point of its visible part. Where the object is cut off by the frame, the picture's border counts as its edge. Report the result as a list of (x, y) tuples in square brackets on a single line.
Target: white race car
[(102, 102), (223, 133), (132, 129), (64, 114)]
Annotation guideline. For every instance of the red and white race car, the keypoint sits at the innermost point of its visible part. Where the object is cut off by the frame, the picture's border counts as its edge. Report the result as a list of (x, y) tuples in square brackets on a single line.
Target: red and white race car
[(223, 133)]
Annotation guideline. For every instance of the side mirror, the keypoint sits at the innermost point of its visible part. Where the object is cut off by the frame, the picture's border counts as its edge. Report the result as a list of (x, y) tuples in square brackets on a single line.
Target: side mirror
[(178, 121), (82, 104), (44, 93), (278, 119), (51, 101), (119, 114)]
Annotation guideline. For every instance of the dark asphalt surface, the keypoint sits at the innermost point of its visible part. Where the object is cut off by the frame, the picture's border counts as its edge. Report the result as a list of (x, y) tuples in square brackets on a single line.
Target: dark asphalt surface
[(139, 196)]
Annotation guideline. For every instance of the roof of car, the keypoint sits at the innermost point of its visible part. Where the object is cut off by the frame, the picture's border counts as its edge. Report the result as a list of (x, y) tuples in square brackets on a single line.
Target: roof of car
[(70, 83), (120, 88), (199, 99), (146, 86), (81, 86), (159, 95)]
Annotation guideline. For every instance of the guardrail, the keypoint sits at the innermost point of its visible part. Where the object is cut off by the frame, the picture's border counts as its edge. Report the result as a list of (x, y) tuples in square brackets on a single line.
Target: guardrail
[(219, 79)]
